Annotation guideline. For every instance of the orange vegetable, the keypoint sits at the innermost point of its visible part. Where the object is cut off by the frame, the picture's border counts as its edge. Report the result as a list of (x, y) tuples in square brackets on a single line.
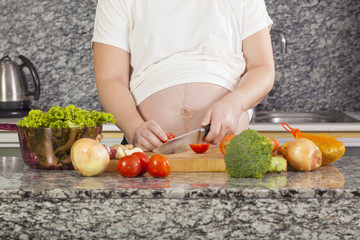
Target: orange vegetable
[(331, 149), (275, 144), (225, 142)]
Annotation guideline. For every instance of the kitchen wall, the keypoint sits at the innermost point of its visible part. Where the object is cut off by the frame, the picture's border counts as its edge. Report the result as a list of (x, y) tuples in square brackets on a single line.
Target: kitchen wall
[(320, 71)]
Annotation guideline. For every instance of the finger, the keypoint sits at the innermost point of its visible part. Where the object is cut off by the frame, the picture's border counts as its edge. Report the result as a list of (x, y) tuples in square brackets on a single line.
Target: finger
[(142, 147), (214, 131), (150, 141), (155, 128), (141, 142), (222, 128), (226, 129), (218, 139), (153, 136)]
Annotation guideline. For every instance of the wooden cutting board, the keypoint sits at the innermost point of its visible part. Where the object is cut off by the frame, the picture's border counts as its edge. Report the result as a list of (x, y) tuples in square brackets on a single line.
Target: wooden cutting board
[(210, 161)]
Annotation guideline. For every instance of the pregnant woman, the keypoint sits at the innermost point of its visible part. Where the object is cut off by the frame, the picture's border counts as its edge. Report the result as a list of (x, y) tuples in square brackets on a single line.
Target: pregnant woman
[(174, 66)]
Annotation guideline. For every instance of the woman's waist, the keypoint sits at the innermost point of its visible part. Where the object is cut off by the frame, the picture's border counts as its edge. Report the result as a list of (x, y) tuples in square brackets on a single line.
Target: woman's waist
[(181, 108), (188, 94)]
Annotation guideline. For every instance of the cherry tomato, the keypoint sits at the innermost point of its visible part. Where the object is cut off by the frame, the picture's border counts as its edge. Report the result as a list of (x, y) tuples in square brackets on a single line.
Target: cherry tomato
[(200, 148), (275, 144), (225, 142), (128, 166), (144, 159), (169, 137), (159, 166)]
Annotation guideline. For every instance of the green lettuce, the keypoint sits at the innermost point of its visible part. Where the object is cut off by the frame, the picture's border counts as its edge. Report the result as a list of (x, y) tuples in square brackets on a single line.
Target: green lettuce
[(65, 117)]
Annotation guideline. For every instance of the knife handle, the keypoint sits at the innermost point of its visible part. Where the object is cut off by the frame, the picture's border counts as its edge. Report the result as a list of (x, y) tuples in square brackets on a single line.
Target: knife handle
[(207, 129)]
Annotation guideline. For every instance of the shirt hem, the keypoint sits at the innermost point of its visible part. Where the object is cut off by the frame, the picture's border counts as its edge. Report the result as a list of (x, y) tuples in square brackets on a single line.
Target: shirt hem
[(111, 43), (257, 29)]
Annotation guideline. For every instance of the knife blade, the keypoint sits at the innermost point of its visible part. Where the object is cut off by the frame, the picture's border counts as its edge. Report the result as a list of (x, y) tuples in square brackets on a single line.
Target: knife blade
[(182, 143)]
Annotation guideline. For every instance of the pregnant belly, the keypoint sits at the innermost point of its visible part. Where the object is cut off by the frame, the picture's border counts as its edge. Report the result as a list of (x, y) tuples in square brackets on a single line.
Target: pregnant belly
[(180, 109)]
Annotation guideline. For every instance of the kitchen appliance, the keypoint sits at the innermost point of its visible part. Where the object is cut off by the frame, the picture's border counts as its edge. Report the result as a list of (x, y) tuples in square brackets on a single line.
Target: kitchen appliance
[(182, 143), (14, 87)]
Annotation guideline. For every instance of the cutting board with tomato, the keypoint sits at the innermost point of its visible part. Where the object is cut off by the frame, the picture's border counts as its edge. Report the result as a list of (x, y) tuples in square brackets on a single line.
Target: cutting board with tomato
[(189, 161)]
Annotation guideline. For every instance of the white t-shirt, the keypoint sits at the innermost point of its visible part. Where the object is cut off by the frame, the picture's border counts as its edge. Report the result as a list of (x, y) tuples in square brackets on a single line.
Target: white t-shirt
[(180, 41)]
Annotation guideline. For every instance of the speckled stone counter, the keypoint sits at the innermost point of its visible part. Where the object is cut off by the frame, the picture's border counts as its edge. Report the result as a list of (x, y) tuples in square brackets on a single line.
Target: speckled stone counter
[(323, 204)]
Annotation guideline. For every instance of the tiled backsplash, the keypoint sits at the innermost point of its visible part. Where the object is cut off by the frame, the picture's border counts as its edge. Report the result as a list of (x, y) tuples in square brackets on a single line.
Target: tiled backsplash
[(321, 70)]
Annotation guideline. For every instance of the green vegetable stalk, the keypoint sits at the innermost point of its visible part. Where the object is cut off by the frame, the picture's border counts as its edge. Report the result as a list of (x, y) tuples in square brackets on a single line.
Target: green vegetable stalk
[(249, 155)]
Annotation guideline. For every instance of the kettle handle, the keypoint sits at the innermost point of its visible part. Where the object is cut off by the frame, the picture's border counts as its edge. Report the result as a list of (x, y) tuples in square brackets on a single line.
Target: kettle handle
[(34, 74)]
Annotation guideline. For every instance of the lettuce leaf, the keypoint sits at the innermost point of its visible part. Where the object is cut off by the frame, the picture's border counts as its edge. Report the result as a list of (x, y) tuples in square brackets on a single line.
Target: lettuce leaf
[(65, 117)]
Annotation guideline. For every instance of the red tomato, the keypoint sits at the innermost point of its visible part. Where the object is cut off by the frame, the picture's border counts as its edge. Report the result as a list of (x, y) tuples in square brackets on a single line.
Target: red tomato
[(169, 137), (128, 166), (200, 148), (144, 161), (275, 144), (159, 166), (225, 142)]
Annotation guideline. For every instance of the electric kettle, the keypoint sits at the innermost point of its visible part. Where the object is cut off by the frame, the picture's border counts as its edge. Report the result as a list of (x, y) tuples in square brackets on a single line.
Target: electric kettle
[(14, 86)]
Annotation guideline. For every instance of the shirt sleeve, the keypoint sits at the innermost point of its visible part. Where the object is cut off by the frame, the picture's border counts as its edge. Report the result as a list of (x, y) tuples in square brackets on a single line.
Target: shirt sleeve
[(255, 17), (112, 24)]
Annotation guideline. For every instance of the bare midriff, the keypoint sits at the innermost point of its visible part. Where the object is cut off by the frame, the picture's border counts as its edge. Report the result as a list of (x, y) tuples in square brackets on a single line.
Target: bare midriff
[(181, 108)]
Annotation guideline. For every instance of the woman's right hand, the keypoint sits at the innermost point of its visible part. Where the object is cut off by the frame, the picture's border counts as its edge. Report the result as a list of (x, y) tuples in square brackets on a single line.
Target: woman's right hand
[(148, 136)]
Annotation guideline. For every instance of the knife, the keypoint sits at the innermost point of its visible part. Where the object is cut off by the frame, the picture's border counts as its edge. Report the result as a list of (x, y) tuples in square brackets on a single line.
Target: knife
[(182, 143)]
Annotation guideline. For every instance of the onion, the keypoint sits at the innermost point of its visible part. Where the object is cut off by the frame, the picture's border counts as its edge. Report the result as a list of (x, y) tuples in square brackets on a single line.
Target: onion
[(303, 155), (111, 151), (89, 157)]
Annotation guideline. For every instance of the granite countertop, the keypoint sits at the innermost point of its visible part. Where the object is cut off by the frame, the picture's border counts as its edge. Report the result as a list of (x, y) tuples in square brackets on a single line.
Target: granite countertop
[(40, 204), (336, 180)]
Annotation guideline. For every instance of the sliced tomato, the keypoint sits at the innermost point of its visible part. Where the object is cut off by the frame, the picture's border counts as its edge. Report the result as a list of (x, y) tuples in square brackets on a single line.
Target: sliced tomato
[(225, 142), (169, 137), (200, 148)]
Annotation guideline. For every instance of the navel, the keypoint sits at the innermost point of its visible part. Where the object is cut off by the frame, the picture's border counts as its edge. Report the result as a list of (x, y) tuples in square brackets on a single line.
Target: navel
[(186, 112)]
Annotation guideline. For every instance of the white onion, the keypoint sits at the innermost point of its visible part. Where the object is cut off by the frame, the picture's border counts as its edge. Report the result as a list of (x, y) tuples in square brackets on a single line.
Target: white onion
[(303, 155), (89, 157)]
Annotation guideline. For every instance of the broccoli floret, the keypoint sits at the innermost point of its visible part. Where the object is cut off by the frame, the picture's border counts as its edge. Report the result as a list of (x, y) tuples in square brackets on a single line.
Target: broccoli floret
[(249, 155)]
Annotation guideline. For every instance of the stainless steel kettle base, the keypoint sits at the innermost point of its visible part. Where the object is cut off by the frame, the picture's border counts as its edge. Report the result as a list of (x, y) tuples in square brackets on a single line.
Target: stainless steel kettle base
[(14, 113), (14, 105)]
